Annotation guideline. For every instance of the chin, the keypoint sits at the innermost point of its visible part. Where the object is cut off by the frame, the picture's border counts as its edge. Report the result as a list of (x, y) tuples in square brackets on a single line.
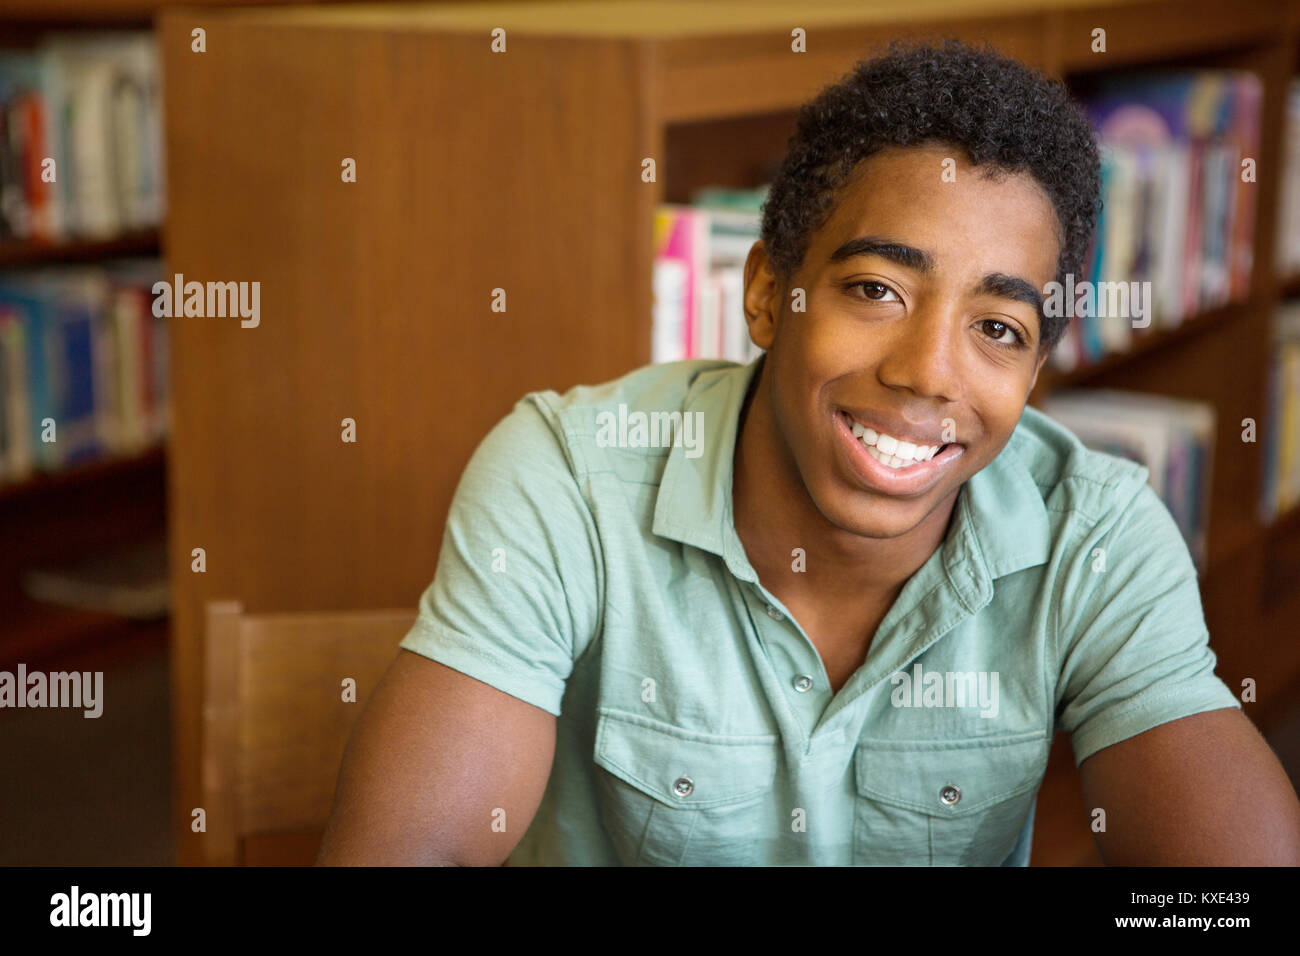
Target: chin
[(874, 517)]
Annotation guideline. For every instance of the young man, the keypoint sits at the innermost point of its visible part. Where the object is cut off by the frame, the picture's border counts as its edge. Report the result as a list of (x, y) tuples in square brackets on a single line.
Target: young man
[(839, 619)]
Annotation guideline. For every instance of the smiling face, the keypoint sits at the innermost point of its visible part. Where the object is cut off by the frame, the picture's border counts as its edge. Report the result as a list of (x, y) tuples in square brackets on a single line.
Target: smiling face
[(921, 325)]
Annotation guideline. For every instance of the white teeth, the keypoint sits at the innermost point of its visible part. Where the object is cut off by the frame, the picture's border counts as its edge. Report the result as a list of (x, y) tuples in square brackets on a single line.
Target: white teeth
[(889, 460), (892, 451)]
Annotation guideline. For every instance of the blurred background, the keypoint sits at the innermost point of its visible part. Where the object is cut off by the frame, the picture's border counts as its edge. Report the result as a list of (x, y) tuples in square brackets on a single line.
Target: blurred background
[(381, 171)]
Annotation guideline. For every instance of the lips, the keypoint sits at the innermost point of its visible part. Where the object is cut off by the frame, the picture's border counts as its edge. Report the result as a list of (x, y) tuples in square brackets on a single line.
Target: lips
[(873, 470)]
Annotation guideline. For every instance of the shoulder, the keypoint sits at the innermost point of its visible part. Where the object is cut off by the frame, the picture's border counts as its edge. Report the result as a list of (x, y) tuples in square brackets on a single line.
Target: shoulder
[(1093, 500), (1077, 482), (590, 424), (663, 387)]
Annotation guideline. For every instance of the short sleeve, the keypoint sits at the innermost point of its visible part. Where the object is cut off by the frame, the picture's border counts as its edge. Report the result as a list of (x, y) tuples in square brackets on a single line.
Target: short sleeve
[(1132, 643), (516, 593)]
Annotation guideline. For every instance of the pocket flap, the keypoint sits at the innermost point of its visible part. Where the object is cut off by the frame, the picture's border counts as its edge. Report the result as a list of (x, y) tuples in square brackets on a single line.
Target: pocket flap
[(947, 778), (683, 768)]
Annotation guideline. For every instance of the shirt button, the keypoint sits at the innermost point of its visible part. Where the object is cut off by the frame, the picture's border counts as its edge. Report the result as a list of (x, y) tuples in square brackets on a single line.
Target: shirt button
[(683, 786), (773, 613), (803, 683), (949, 795)]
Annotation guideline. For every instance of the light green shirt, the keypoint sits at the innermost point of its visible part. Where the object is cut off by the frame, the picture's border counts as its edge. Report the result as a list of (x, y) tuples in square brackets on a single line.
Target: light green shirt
[(592, 568)]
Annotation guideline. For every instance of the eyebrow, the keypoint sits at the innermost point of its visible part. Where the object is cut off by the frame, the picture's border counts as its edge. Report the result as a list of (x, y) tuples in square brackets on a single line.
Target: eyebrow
[(1010, 287), (995, 283), (904, 255)]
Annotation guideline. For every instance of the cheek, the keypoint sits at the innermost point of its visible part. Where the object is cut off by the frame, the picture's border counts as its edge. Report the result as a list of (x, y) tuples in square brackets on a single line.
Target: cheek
[(997, 393), (1004, 402), (998, 415), (828, 348), (805, 363), (1005, 398)]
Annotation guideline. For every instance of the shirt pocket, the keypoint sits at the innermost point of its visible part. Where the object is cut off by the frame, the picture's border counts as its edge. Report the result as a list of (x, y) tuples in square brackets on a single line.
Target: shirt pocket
[(940, 803), (674, 797)]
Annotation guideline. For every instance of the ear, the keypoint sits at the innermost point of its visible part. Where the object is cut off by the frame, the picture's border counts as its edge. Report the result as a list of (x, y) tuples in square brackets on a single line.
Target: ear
[(762, 300)]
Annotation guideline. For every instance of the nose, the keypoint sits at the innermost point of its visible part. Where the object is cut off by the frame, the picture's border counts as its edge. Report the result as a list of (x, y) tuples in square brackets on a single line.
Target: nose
[(923, 354)]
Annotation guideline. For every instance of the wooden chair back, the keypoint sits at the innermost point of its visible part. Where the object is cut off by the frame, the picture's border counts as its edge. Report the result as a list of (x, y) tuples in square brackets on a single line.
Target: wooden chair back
[(277, 713)]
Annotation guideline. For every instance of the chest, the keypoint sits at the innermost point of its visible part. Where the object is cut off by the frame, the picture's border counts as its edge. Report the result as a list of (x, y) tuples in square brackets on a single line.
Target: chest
[(842, 636)]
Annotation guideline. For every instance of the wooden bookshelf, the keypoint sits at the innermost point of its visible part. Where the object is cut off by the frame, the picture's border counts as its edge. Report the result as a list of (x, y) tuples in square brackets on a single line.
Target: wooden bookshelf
[(23, 22), (64, 516), (375, 294)]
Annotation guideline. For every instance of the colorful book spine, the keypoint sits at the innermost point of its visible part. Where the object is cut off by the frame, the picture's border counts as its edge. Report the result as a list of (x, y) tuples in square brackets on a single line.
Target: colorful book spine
[(700, 251), (82, 366), (80, 137), (1178, 198)]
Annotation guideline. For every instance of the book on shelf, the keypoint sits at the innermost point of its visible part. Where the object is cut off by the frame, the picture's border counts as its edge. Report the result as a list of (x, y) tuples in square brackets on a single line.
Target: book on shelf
[(1281, 478), (80, 137), (700, 252), (1172, 438), (129, 582), (1178, 208), (1288, 215), (83, 359)]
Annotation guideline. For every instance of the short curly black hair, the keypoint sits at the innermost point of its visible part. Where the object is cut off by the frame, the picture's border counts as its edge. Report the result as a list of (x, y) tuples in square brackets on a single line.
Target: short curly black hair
[(999, 111)]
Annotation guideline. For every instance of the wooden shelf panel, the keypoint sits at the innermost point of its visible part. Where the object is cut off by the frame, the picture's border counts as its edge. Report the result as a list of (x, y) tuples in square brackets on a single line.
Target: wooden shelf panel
[(1281, 547), (108, 12), (653, 19), (81, 474), (1146, 32), (47, 635), (144, 242), (1144, 343), (728, 76)]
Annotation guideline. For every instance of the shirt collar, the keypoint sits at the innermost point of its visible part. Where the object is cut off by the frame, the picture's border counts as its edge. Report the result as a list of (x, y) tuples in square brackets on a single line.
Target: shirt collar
[(999, 523), (694, 502)]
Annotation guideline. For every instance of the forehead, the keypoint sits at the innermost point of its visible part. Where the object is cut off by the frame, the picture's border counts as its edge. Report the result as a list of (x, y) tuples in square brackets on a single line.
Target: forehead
[(973, 221)]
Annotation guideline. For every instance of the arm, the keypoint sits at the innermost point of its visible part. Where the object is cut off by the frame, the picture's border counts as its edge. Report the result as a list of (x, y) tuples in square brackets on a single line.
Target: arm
[(463, 723), (1203, 790), (1162, 744), (431, 758)]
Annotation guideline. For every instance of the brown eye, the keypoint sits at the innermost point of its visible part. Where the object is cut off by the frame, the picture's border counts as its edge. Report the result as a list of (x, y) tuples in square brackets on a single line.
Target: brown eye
[(876, 291), (1001, 332)]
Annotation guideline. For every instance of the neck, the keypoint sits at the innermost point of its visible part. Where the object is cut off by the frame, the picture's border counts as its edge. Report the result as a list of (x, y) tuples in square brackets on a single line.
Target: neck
[(774, 514)]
